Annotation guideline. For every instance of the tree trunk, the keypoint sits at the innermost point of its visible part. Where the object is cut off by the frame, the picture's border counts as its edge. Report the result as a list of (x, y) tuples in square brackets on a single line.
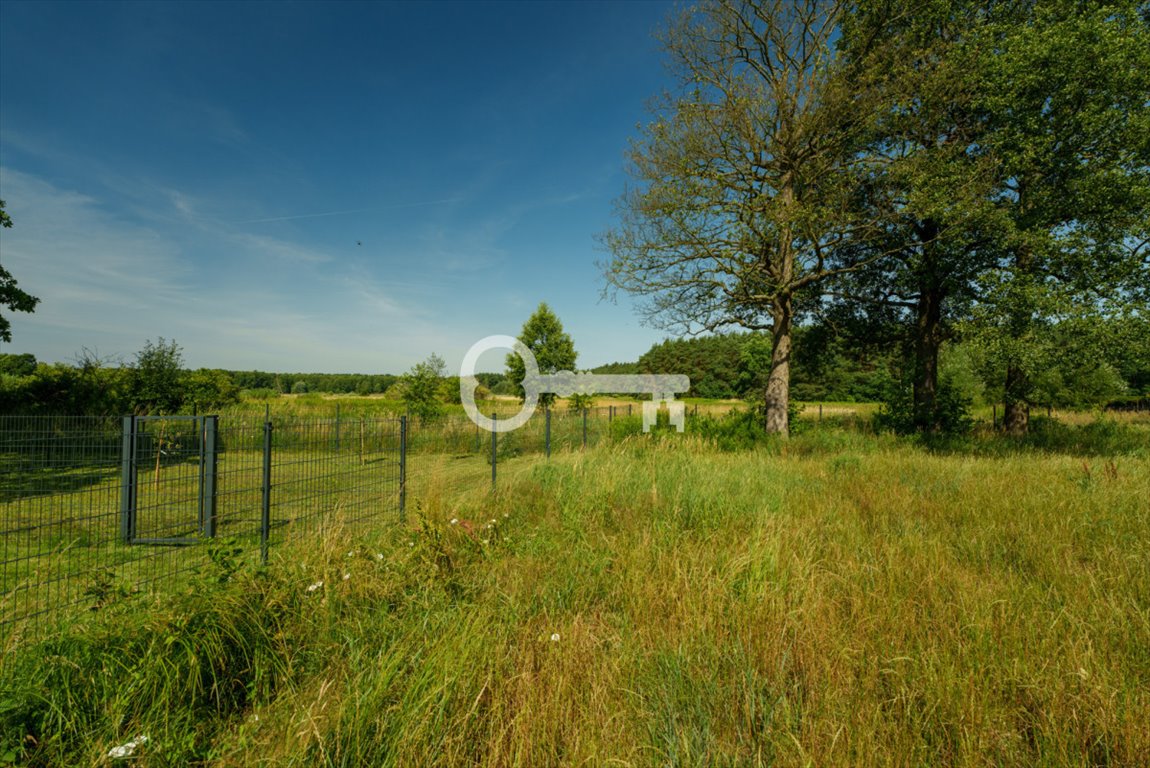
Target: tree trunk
[(927, 341), (1016, 416), (1016, 393), (927, 332), (779, 380)]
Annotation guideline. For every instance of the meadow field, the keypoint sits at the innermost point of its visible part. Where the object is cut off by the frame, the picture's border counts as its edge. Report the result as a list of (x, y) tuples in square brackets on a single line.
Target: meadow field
[(841, 598)]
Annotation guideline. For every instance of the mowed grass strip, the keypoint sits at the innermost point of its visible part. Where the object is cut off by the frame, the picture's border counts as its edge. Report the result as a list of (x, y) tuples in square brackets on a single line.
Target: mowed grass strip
[(654, 604)]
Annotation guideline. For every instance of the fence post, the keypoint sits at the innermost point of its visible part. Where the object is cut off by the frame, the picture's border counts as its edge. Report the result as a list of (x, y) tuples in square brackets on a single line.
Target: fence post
[(584, 427), (628, 409), (337, 427), (547, 430), (128, 480), (208, 483), (478, 447), (994, 416), (266, 488), (820, 413), (494, 446), (402, 469)]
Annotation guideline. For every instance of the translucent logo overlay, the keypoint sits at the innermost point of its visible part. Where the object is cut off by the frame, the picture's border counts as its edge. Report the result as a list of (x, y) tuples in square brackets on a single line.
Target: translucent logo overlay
[(661, 387)]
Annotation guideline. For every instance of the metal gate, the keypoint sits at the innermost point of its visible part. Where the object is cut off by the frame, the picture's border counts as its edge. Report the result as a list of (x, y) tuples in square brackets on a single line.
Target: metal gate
[(168, 479)]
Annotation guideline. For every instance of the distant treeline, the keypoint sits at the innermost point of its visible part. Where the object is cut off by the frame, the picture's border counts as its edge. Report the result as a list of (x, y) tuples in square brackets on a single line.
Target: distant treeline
[(299, 383), (829, 365), (826, 366), (734, 365)]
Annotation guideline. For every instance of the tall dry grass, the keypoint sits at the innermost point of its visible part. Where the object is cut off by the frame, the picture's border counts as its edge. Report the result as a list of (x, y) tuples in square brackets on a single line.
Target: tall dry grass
[(854, 601)]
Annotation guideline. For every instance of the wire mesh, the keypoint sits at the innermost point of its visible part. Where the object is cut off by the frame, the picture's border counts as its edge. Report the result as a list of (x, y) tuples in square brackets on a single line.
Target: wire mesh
[(93, 507), (59, 509)]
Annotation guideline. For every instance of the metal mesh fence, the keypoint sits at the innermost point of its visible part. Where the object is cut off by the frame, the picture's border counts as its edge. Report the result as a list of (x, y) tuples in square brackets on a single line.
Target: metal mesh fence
[(454, 455), (92, 507), (59, 494)]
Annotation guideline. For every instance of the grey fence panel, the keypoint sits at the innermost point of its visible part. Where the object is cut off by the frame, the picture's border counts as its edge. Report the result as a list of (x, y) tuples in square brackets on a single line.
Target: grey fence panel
[(59, 510), (91, 507)]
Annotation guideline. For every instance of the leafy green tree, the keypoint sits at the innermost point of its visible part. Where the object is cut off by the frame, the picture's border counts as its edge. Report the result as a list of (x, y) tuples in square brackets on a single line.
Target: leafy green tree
[(930, 188), (1068, 120), (744, 177), (1010, 166), (88, 388), (580, 401), (207, 389), (10, 295), (554, 350), (1130, 337), (422, 388), (18, 365), (157, 377)]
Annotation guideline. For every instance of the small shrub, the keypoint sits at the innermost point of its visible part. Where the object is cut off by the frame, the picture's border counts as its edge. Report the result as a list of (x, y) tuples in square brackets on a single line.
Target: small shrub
[(737, 430), (951, 414), (579, 402)]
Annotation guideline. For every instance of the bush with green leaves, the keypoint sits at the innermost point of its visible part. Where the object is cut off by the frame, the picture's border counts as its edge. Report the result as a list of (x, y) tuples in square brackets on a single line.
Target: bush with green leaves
[(951, 415), (422, 388), (157, 377)]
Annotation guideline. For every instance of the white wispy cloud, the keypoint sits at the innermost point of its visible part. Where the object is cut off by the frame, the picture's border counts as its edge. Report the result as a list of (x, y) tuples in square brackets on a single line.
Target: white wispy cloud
[(109, 283), (324, 214), (278, 249), (64, 244)]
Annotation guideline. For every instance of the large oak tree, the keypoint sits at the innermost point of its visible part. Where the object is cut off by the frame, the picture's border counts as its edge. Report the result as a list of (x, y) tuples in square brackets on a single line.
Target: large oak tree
[(1011, 151), (744, 179)]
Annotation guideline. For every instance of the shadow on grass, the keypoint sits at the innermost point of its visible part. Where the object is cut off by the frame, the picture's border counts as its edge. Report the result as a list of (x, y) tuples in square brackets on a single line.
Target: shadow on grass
[(1103, 437), (21, 483)]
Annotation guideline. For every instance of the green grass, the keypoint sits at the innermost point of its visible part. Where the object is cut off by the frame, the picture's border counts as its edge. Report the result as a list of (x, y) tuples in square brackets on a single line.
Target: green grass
[(62, 551), (839, 599)]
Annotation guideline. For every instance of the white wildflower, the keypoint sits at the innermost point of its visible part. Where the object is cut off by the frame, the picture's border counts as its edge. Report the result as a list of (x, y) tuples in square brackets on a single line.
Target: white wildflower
[(315, 586), (555, 637), (379, 555), (126, 750), (346, 575), (506, 515), (455, 521), (490, 523)]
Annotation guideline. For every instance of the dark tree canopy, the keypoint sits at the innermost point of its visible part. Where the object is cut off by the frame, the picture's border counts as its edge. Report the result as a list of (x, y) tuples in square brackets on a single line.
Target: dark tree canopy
[(11, 296)]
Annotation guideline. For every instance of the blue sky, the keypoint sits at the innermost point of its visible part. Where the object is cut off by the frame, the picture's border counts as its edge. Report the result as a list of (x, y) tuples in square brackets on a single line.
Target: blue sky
[(341, 187)]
